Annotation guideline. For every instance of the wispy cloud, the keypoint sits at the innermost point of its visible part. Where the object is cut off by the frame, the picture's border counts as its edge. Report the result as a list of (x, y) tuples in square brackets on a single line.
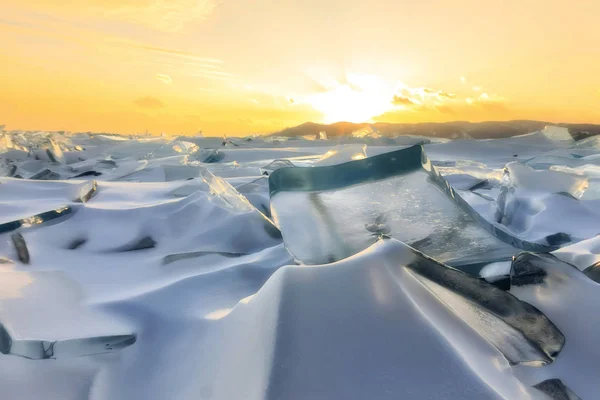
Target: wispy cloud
[(400, 100), (425, 99), (164, 78), (207, 74), (160, 15), (149, 103), (422, 97), (182, 63), (166, 15), (447, 95), (167, 51)]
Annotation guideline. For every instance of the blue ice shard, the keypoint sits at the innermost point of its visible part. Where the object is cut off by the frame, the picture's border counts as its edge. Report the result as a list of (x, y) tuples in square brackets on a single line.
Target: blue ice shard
[(332, 212)]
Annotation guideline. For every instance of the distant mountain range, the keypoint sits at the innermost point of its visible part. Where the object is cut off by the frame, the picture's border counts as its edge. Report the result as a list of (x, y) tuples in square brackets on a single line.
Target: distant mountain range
[(450, 130)]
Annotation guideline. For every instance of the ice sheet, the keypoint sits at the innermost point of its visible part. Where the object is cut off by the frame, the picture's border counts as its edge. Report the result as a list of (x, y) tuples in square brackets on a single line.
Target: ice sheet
[(170, 258)]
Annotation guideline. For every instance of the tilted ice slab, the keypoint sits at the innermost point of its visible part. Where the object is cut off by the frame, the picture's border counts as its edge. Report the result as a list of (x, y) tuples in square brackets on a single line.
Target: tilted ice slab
[(584, 255), (568, 297), (545, 207), (329, 213)]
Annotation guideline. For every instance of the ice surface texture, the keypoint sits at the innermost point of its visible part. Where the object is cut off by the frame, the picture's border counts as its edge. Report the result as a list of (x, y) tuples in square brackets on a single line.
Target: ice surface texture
[(169, 280)]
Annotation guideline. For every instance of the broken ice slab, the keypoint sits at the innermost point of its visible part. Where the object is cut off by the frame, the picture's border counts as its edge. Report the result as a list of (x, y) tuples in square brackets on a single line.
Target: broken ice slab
[(183, 147), (556, 390), (209, 156), (86, 191), (593, 272), (542, 207), (20, 247), (341, 154), (7, 168), (468, 182), (171, 258), (143, 243), (332, 212), (522, 176), (55, 153), (276, 164), (521, 332), (92, 165), (230, 198), (85, 174), (569, 299), (68, 348), (557, 133), (45, 175), (368, 131), (36, 219), (530, 268), (228, 195), (172, 148)]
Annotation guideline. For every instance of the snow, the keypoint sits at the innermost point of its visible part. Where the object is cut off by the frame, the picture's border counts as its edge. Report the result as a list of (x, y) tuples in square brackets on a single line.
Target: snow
[(295, 268)]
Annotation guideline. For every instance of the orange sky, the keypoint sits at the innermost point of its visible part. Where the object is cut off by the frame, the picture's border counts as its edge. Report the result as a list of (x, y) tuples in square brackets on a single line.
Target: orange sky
[(239, 67)]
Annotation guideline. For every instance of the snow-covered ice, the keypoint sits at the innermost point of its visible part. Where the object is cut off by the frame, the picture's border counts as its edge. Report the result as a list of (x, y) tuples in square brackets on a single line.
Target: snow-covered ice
[(364, 267)]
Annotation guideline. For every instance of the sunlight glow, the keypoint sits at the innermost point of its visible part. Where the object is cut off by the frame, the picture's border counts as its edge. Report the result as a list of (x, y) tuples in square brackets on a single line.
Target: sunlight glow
[(359, 99)]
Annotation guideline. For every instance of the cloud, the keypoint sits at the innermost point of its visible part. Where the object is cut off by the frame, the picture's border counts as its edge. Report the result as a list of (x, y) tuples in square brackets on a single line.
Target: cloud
[(180, 62), (491, 103), (149, 102), (162, 15), (167, 51), (164, 78), (448, 95), (170, 15), (423, 98), (400, 100), (212, 74)]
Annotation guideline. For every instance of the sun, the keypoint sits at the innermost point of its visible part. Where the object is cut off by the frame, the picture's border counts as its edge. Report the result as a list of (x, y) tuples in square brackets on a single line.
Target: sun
[(360, 99)]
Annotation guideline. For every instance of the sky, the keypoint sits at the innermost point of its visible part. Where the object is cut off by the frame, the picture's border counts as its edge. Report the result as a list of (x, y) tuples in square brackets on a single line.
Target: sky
[(258, 66)]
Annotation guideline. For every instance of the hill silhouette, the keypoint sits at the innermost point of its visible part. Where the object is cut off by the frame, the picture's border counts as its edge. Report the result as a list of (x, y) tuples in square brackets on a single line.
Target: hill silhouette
[(449, 130)]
